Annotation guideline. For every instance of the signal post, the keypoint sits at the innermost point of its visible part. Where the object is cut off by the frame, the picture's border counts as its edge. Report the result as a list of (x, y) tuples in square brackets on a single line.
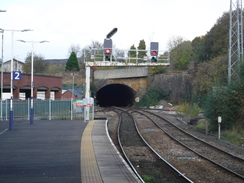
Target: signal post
[(107, 56)]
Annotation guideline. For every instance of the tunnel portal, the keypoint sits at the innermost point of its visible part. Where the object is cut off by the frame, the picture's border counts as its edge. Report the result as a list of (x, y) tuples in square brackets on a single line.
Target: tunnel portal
[(118, 95)]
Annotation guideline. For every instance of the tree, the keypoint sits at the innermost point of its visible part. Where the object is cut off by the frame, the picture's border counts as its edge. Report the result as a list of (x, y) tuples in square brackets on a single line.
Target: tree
[(95, 45), (152, 96), (118, 54), (181, 55), (210, 74), (39, 65), (76, 49), (197, 48), (142, 46), (94, 49), (132, 54), (214, 43), (228, 103), (72, 63), (174, 42)]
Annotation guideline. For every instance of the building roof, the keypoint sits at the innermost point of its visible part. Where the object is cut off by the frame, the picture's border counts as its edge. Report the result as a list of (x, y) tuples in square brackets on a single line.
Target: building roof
[(77, 92), (15, 60)]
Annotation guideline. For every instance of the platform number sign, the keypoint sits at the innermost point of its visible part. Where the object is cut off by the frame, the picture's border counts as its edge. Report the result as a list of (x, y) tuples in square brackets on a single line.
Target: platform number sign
[(17, 75)]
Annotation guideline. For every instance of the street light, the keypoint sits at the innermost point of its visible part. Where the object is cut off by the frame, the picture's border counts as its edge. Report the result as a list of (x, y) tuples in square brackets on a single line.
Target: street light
[(32, 80), (72, 93), (2, 80), (1, 116), (11, 113)]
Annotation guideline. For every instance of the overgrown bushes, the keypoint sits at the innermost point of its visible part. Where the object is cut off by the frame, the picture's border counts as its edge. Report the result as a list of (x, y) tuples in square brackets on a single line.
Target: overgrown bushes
[(228, 103), (157, 70), (191, 110), (152, 97)]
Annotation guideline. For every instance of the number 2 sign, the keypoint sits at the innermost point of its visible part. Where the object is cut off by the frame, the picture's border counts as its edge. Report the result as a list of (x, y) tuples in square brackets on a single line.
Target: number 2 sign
[(17, 75)]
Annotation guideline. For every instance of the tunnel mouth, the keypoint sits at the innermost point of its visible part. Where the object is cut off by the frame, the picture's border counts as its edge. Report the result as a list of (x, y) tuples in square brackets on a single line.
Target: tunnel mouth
[(118, 95)]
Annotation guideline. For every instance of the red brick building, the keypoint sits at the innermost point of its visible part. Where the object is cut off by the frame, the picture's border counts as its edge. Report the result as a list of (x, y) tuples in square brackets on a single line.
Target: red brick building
[(43, 83), (76, 94)]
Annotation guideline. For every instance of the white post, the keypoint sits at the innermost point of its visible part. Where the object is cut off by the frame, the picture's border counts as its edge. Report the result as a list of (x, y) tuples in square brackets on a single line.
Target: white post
[(6, 110), (28, 107), (50, 109), (87, 95), (219, 125), (2, 80), (93, 107), (32, 85), (32, 77), (71, 108), (11, 113)]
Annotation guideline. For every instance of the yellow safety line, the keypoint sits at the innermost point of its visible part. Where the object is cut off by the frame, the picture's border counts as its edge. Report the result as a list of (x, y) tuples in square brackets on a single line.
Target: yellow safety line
[(89, 170)]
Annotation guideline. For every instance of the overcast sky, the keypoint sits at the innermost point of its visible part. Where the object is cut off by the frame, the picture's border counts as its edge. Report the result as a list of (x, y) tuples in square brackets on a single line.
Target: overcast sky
[(79, 22)]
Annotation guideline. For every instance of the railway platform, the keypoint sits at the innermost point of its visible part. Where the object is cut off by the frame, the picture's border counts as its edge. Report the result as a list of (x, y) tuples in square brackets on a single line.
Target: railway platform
[(46, 151), (60, 151), (100, 161)]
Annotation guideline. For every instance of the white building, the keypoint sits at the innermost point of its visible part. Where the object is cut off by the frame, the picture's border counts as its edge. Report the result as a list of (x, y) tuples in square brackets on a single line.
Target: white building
[(17, 66)]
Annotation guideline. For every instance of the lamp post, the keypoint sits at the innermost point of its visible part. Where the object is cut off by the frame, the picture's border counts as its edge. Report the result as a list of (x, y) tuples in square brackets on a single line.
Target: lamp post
[(11, 113), (72, 97), (32, 78), (1, 116), (2, 79)]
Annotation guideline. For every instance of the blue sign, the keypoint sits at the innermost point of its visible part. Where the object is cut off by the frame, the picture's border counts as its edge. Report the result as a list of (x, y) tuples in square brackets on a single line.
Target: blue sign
[(17, 75)]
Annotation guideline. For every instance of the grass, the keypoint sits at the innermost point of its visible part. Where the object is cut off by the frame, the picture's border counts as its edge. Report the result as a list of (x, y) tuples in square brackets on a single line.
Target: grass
[(191, 110), (148, 179), (234, 135), (201, 124)]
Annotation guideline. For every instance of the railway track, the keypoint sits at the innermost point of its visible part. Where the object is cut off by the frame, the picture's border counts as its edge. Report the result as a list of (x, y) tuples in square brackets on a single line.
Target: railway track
[(140, 154), (147, 137), (220, 157)]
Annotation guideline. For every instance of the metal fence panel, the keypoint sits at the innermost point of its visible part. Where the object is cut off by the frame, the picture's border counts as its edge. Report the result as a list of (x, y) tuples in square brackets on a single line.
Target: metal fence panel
[(43, 110)]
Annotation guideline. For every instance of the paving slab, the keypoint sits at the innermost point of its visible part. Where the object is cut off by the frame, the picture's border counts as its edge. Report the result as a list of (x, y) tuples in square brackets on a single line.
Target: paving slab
[(112, 166), (47, 151)]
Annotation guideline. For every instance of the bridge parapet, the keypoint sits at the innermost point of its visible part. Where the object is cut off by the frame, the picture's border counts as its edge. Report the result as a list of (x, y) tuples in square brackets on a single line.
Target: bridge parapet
[(121, 73)]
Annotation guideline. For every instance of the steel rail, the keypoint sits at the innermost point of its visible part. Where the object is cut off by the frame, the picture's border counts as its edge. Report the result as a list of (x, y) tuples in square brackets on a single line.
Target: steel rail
[(158, 155), (121, 148), (231, 154), (223, 167)]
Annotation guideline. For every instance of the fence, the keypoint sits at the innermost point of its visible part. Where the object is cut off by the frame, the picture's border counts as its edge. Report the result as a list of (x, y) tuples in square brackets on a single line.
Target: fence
[(43, 110), (126, 56)]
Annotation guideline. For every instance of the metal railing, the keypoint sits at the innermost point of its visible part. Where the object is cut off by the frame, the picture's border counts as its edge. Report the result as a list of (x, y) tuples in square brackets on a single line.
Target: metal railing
[(43, 110), (130, 57)]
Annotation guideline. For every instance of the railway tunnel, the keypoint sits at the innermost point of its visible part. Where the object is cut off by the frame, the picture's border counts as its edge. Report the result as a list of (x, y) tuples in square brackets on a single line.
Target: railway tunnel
[(118, 95)]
